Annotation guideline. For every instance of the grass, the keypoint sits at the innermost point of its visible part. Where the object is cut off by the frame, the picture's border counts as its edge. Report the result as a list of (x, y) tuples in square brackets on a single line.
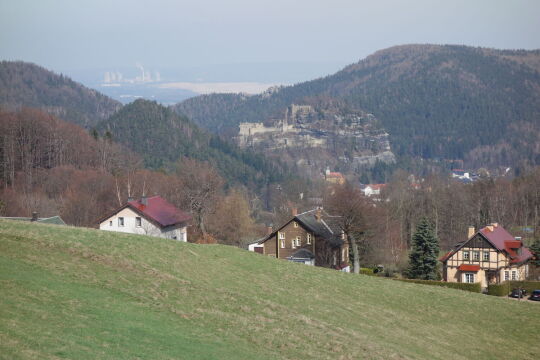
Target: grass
[(86, 294)]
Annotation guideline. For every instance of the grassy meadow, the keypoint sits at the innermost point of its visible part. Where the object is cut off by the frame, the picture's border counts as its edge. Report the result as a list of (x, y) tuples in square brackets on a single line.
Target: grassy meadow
[(87, 294)]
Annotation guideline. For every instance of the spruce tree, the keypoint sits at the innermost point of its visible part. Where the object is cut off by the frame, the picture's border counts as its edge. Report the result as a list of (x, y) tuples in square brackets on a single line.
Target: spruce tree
[(423, 256), (535, 249)]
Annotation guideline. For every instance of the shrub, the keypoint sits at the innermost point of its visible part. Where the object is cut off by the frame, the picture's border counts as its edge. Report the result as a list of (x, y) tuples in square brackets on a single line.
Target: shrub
[(498, 289), (366, 271), (475, 287)]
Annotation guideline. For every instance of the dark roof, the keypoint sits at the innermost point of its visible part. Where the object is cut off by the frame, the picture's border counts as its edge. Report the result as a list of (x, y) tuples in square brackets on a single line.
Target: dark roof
[(160, 210), (327, 228), (303, 254)]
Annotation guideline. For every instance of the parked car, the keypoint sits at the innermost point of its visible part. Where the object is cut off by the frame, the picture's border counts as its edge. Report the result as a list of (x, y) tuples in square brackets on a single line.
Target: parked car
[(535, 295), (518, 293)]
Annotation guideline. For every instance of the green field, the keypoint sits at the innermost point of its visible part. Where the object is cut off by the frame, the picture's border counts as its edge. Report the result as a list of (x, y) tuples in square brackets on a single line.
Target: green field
[(88, 294)]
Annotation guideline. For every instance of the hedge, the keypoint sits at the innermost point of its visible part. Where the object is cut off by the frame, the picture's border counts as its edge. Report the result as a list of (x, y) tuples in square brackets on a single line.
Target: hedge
[(507, 286), (475, 287)]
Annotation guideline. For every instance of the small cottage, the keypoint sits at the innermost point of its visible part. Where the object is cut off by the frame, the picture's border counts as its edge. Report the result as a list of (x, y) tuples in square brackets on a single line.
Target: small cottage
[(152, 216)]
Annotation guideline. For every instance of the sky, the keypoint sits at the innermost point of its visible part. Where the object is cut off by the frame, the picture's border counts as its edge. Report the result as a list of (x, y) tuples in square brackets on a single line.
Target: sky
[(323, 36)]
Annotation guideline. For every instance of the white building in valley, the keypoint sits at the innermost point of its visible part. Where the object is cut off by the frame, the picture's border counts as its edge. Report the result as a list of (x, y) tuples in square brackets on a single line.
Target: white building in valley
[(152, 216)]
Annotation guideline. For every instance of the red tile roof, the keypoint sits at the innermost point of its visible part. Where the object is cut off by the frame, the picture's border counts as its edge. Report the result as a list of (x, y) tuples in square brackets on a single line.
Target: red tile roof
[(160, 210), (468, 267), (445, 256), (504, 241)]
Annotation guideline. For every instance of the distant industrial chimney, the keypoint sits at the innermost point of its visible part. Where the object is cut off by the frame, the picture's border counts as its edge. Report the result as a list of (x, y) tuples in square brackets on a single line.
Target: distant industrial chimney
[(34, 216), (471, 232)]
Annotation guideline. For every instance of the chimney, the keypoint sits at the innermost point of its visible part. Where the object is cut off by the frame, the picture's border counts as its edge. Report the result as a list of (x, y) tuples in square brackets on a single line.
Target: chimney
[(318, 214), (268, 230), (294, 211), (495, 225), (144, 200), (489, 227), (34, 216), (471, 232)]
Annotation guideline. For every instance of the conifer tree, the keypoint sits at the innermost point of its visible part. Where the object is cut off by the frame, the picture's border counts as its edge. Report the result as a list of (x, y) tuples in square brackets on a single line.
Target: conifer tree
[(423, 256), (535, 249)]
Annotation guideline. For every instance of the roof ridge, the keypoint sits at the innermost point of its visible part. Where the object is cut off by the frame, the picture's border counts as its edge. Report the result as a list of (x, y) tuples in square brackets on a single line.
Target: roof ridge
[(328, 227), (305, 212)]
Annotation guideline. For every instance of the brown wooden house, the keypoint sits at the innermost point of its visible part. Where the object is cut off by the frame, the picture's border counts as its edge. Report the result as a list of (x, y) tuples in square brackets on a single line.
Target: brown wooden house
[(490, 256), (313, 238)]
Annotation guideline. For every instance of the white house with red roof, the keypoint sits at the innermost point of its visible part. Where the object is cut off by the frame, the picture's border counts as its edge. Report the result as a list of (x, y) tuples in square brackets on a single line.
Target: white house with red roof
[(152, 216), (372, 189), (490, 256)]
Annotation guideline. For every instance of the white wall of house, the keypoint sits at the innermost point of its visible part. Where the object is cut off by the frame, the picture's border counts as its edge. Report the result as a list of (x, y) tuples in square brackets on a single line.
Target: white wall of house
[(126, 221)]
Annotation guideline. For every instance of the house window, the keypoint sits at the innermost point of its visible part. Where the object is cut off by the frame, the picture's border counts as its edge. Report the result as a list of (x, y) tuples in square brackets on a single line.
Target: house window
[(506, 275), (298, 241), (110, 223), (138, 221), (514, 275), (293, 243), (476, 255), (309, 239), (120, 221), (343, 255), (295, 224), (282, 236), (486, 255), (465, 255), (469, 278), (282, 243)]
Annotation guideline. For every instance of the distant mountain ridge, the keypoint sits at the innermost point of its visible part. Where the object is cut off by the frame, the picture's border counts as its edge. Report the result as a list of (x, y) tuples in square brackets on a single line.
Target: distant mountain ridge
[(30, 85), (436, 101)]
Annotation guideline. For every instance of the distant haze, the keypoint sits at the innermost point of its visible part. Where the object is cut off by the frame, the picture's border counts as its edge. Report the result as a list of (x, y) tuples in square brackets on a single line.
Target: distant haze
[(266, 41)]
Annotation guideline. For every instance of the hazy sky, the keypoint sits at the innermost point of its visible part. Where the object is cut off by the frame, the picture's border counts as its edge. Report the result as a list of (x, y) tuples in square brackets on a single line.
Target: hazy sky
[(71, 34)]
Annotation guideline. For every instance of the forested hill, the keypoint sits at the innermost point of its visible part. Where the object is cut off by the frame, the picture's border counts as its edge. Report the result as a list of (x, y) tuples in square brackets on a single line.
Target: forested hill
[(452, 102), (29, 85), (162, 137)]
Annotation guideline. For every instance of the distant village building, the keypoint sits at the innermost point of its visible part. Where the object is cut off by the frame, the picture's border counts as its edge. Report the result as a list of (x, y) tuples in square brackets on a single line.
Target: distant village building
[(334, 177), (489, 256), (311, 238), (372, 189), (152, 216)]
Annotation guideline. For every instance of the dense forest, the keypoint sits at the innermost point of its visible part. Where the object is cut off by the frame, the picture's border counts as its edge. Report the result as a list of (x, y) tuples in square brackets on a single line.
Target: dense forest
[(26, 84), (161, 137), (437, 102)]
